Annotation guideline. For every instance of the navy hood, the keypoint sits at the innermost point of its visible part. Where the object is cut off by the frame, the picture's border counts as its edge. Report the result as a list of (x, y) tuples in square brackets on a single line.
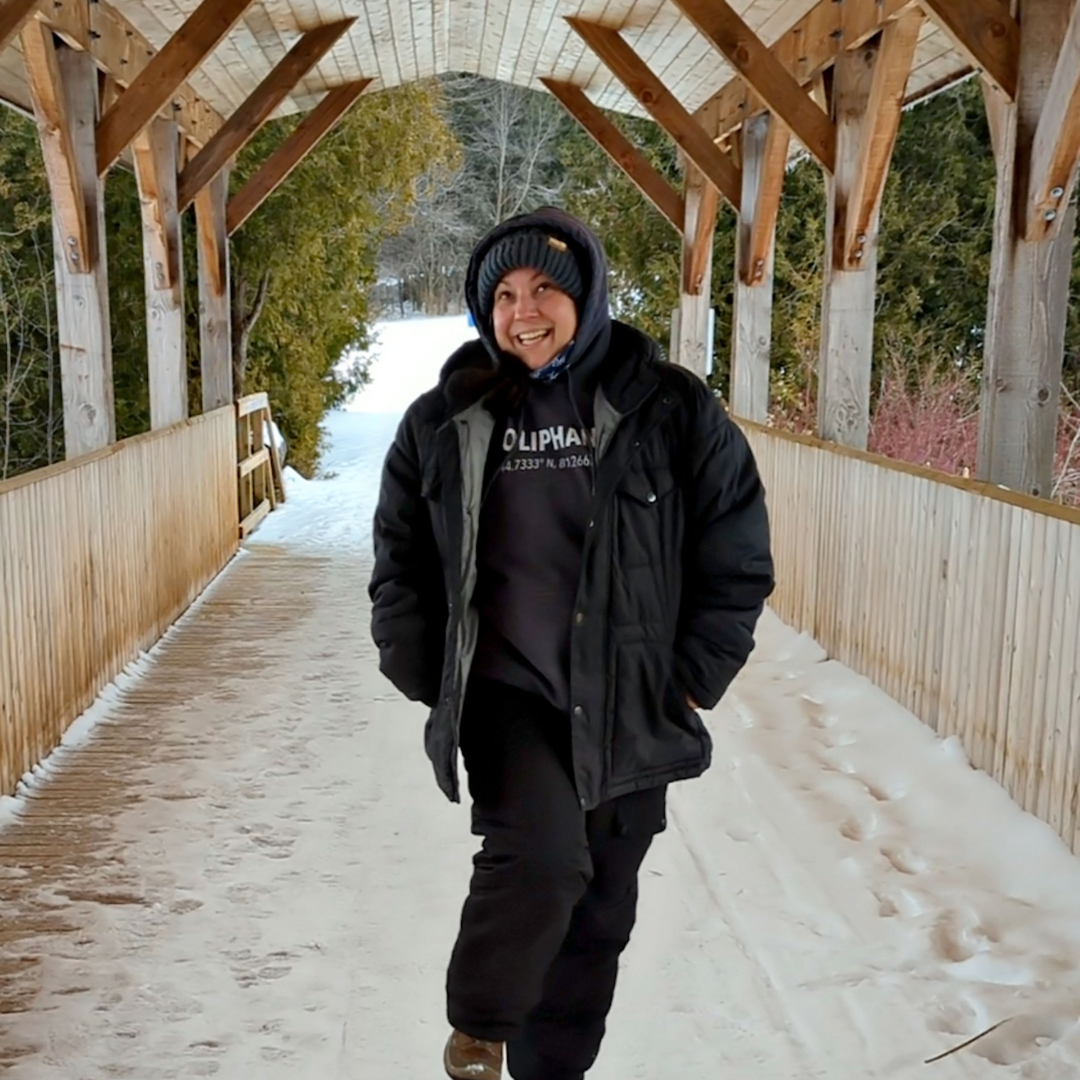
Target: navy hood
[(594, 315)]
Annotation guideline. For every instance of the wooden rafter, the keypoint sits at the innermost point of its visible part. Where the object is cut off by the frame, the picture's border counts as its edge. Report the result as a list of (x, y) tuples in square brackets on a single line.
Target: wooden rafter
[(273, 172), (55, 126), (155, 85), (1056, 147), (118, 48), (812, 44), (768, 190), (985, 32), (621, 151), (13, 13), (880, 126), (766, 75), (662, 105), (241, 127), (805, 50)]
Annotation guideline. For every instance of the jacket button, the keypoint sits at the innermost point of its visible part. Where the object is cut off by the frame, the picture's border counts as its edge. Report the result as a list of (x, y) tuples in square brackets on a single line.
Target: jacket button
[(581, 802), (578, 710), (592, 524), (651, 497), (579, 618)]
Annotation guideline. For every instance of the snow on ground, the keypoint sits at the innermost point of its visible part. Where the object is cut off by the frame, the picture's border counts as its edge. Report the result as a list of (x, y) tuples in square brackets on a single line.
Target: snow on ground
[(840, 897)]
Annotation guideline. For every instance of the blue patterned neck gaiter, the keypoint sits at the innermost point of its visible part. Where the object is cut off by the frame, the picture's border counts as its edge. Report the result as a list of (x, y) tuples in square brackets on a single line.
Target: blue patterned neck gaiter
[(553, 368)]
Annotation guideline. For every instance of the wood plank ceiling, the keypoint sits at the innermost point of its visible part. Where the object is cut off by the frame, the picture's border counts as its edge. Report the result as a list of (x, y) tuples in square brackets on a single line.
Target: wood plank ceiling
[(516, 41)]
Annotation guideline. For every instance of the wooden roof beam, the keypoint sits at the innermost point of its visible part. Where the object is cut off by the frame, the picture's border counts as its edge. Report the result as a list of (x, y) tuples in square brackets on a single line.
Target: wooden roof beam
[(1055, 150), (765, 75), (241, 127), (829, 28), (13, 13), (156, 84), (881, 123), (273, 172), (58, 148), (984, 32), (119, 50), (621, 151), (663, 106), (807, 49)]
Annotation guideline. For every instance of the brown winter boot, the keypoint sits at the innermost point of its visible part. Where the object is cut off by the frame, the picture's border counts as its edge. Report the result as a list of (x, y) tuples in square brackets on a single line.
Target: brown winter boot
[(467, 1058)]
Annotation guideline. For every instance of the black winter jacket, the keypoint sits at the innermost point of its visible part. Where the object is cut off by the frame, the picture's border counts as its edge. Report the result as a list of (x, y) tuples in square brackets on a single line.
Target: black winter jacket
[(675, 565)]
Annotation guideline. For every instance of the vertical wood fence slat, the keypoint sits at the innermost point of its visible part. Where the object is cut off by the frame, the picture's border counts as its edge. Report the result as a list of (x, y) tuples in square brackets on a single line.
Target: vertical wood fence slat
[(960, 599), (98, 556)]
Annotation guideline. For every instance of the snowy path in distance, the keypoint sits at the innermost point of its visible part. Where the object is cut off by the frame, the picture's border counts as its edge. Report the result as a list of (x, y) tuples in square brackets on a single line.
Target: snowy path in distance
[(839, 898)]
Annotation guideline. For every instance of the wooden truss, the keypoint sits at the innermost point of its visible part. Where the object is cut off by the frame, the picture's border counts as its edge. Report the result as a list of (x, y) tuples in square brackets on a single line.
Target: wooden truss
[(273, 172), (982, 30), (242, 126), (661, 104)]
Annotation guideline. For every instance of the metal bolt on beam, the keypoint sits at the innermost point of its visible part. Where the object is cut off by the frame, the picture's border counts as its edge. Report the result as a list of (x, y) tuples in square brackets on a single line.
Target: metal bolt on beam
[(1050, 215), (1056, 193)]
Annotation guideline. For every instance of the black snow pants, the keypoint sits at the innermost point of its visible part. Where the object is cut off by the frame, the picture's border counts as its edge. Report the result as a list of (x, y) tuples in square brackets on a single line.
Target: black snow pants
[(554, 889)]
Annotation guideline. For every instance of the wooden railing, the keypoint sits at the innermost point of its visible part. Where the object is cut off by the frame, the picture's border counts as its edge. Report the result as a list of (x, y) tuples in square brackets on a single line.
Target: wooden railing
[(98, 557), (261, 485), (959, 599)]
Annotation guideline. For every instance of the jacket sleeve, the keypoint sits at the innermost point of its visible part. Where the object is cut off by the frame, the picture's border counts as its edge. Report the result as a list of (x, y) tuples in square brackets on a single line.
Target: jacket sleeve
[(728, 568), (408, 617)]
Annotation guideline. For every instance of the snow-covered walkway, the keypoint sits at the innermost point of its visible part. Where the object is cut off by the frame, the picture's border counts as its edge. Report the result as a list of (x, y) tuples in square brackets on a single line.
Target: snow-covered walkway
[(244, 868)]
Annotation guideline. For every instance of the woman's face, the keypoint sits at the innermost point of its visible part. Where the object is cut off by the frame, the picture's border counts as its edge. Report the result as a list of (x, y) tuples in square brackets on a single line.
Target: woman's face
[(533, 318)]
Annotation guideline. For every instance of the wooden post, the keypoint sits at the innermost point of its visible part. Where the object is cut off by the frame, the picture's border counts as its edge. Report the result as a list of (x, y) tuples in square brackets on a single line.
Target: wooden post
[(765, 142), (1029, 279), (847, 316), (693, 345), (215, 320), (64, 87), (156, 152)]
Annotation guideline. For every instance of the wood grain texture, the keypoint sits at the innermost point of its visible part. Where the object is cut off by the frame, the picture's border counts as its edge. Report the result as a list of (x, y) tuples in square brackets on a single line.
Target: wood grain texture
[(215, 319), (242, 126), (766, 188), (621, 151), (273, 172), (879, 130), (166, 72), (765, 75), (693, 348), (662, 105), (1029, 280), (1055, 149), (984, 32), (847, 313), (98, 557), (807, 48), (764, 142), (974, 603), (156, 166), (13, 13), (56, 131)]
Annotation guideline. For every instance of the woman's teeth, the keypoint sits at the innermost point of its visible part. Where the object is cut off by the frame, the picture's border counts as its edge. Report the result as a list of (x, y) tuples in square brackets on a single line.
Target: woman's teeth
[(530, 339)]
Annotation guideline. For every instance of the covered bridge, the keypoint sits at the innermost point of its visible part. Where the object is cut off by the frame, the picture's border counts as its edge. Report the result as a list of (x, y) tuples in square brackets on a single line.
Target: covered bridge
[(960, 598)]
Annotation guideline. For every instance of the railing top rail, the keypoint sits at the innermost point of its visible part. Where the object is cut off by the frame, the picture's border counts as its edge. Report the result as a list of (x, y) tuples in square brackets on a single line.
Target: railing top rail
[(972, 487), (252, 403), (47, 472)]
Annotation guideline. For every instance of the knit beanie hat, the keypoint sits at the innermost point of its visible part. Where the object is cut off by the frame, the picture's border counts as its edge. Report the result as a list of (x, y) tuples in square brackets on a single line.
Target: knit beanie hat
[(537, 250)]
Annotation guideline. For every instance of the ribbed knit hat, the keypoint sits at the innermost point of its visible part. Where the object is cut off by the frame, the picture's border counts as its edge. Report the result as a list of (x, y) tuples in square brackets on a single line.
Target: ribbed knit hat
[(537, 250)]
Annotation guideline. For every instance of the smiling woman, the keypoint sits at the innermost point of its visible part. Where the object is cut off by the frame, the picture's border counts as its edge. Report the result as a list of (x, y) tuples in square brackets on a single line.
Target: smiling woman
[(533, 318)]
